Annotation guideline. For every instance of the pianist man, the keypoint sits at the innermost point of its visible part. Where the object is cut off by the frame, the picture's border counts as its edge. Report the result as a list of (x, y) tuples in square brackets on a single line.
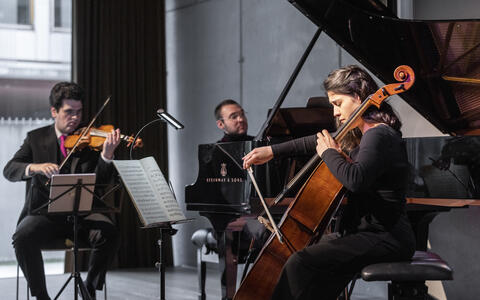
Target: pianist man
[(231, 119)]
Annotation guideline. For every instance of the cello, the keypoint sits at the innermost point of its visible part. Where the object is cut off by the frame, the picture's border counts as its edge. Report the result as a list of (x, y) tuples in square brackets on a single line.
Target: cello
[(310, 213)]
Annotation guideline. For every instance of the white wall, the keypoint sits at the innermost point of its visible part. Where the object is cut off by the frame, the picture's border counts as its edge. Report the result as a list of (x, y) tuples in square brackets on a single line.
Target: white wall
[(27, 54), (231, 49)]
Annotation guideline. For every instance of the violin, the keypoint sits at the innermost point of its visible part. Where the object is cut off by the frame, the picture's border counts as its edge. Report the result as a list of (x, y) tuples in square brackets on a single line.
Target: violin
[(95, 137)]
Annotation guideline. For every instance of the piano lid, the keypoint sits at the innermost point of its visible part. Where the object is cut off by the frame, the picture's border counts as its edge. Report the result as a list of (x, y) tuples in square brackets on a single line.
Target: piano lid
[(295, 122), (445, 55)]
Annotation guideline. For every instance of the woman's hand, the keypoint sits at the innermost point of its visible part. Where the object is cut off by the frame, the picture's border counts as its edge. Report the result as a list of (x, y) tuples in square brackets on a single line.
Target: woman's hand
[(111, 142), (257, 156), (325, 141)]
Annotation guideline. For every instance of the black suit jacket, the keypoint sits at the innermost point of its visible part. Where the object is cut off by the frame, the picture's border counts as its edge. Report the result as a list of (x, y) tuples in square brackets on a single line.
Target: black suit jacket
[(41, 146)]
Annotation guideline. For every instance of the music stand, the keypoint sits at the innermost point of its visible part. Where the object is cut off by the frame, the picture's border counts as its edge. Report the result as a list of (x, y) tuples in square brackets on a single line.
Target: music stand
[(154, 201), (63, 192), (166, 229)]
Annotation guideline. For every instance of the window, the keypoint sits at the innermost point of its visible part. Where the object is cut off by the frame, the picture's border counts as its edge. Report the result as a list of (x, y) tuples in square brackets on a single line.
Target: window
[(63, 14), (16, 12)]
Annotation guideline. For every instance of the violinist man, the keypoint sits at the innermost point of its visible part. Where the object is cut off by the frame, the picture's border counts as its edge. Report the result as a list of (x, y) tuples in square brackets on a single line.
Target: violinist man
[(35, 162)]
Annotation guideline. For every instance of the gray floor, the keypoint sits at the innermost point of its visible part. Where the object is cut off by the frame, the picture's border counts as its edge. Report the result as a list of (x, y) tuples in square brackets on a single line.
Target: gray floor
[(181, 284)]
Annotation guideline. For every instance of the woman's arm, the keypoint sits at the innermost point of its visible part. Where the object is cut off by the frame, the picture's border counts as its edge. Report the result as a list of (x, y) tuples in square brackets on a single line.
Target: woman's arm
[(368, 165), (261, 155)]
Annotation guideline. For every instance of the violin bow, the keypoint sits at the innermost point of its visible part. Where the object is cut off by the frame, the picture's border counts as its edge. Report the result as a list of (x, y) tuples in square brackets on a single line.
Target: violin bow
[(84, 133)]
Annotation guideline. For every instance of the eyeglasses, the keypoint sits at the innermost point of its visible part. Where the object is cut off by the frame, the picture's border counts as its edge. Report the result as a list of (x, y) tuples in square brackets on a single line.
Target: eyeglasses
[(236, 115)]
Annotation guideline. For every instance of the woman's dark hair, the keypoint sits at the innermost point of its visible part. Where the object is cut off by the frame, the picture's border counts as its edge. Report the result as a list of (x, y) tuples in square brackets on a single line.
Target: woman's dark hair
[(350, 80), (356, 82), (383, 115), (65, 90)]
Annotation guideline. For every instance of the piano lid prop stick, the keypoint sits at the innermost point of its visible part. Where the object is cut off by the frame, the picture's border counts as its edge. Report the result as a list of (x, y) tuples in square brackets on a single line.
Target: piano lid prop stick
[(276, 231), (262, 200), (230, 156)]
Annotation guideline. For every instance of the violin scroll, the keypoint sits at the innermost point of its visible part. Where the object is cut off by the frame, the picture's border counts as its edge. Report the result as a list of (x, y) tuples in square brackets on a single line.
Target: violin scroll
[(130, 139)]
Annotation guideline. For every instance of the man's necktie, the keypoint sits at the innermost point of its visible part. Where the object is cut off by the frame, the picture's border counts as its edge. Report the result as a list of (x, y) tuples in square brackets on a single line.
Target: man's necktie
[(62, 146)]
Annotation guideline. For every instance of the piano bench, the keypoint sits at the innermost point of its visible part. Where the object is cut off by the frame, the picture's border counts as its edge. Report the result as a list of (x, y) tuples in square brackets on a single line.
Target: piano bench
[(408, 277), (204, 240)]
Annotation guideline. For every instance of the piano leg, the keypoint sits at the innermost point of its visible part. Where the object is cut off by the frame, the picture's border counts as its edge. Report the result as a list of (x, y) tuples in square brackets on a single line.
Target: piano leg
[(202, 275), (228, 229), (420, 217), (228, 259)]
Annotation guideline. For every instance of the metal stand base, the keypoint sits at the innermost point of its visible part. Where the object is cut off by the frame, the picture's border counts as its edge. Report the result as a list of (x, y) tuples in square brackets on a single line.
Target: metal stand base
[(161, 264), (78, 285), (75, 274)]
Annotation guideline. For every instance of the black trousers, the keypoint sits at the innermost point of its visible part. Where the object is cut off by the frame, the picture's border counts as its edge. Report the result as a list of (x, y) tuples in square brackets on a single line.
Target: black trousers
[(34, 233), (321, 271)]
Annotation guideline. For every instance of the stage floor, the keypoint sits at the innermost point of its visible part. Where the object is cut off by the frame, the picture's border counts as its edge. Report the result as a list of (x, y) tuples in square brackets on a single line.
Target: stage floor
[(181, 284)]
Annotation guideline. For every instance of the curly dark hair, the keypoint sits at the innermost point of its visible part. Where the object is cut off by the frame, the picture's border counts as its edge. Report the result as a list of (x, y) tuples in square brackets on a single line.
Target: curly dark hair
[(65, 90), (356, 82)]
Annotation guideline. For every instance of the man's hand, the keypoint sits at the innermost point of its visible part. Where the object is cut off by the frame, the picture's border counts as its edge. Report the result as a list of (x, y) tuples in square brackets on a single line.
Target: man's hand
[(111, 142), (46, 169), (325, 141), (257, 156)]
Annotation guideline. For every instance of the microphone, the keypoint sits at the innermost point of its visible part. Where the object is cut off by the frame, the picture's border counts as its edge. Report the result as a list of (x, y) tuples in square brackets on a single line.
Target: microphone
[(169, 119)]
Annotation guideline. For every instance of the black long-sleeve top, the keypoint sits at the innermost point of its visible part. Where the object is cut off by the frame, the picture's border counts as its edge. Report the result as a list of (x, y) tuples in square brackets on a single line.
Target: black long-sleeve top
[(376, 179)]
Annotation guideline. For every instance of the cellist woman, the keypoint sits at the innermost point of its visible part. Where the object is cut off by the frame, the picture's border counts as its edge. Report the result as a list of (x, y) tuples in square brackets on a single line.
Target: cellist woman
[(374, 227)]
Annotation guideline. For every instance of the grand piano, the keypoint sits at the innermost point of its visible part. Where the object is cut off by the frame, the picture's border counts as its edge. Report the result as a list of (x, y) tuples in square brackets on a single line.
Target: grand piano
[(445, 55), (223, 192)]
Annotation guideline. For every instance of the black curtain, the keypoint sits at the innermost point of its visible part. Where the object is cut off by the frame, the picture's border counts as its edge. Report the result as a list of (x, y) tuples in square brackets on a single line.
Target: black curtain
[(119, 51)]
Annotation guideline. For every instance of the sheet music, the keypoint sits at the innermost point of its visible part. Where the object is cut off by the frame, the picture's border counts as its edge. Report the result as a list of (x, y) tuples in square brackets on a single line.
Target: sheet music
[(149, 191), (162, 189), (65, 203)]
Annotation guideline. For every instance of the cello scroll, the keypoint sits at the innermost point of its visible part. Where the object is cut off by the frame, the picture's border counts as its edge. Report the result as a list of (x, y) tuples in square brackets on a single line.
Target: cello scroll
[(406, 77)]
